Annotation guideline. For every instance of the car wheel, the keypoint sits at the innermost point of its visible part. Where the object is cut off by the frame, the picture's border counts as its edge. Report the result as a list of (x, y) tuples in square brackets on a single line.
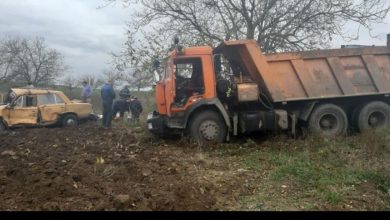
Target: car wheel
[(328, 120), (374, 116), (208, 127), (70, 121), (3, 128)]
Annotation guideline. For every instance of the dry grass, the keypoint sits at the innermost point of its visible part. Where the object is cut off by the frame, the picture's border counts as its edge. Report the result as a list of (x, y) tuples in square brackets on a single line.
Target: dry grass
[(349, 173)]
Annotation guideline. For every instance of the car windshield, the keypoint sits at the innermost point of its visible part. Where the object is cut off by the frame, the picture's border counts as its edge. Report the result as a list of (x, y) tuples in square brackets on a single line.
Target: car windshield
[(10, 97)]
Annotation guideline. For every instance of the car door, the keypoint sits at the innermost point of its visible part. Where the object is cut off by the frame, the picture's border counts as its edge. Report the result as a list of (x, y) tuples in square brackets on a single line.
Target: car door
[(24, 111), (50, 107)]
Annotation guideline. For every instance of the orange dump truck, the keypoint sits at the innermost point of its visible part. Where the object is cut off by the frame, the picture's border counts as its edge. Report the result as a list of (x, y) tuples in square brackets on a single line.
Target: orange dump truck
[(211, 94)]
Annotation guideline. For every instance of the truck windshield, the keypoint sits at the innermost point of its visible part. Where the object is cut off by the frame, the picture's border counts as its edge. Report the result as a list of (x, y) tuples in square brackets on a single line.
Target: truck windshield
[(189, 79)]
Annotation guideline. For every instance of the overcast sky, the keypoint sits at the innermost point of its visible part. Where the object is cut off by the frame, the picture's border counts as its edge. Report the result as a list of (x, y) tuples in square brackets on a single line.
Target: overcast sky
[(85, 35)]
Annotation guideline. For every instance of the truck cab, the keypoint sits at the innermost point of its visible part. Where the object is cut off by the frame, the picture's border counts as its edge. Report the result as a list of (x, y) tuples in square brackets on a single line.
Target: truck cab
[(207, 99), (186, 94)]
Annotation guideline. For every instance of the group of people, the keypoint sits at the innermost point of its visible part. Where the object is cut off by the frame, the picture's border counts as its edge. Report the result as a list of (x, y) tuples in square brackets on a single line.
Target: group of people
[(115, 109)]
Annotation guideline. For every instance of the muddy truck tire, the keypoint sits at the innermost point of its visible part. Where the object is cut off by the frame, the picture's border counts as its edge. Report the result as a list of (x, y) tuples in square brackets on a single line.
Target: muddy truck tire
[(374, 116), (328, 120), (208, 127)]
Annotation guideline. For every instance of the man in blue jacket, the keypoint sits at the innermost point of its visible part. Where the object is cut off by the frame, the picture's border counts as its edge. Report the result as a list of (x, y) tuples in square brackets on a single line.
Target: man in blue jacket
[(108, 96), (86, 93)]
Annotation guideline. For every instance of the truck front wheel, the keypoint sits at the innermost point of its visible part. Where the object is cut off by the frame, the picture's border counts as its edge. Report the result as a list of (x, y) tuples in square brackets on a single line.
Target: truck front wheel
[(208, 127), (328, 120), (374, 115)]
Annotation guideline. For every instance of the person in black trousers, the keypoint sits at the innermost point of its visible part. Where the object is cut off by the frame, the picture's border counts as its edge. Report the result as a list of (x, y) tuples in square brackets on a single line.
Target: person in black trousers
[(136, 110), (108, 96)]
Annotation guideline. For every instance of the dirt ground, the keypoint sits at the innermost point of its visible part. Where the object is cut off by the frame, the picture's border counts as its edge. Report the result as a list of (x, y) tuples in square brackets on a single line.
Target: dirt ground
[(90, 168)]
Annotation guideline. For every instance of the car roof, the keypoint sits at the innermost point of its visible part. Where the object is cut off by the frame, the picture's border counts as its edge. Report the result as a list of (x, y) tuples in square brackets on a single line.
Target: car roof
[(33, 91)]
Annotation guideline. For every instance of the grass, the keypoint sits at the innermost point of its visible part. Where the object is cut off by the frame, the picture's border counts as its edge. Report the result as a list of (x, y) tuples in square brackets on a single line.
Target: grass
[(333, 197), (321, 172)]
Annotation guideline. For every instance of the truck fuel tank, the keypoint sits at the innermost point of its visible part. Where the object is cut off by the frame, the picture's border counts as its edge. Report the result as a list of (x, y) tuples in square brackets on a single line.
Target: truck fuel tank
[(263, 121)]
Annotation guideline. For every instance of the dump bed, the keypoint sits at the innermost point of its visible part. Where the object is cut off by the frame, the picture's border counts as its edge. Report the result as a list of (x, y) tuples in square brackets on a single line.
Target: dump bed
[(313, 74)]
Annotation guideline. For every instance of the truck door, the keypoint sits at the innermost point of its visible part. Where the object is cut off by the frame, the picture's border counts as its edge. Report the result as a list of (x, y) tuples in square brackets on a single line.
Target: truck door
[(170, 91), (188, 80), (50, 106), (24, 111)]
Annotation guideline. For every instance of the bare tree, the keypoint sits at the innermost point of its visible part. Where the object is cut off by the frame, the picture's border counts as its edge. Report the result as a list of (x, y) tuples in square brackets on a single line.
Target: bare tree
[(8, 53), (113, 76), (70, 82), (31, 61), (135, 62), (138, 79), (92, 79), (277, 25)]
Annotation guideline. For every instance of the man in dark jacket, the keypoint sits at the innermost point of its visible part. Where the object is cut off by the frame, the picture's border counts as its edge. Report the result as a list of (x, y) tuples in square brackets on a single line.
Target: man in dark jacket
[(108, 96), (136, 109), (121, 106), (124, 93)]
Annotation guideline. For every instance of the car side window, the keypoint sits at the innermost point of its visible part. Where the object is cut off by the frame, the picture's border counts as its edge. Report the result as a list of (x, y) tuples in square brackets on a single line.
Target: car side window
[(46, 99), (59, 100), (31, 101), (19, 101)]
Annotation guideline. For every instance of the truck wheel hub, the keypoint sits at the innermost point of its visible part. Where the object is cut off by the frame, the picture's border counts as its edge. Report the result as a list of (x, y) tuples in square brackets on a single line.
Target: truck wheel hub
[(328, 122), (376, 119), (209, 130)]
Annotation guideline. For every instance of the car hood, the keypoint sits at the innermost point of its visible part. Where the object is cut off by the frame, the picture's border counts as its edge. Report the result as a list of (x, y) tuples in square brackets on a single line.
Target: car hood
[(76, 101)]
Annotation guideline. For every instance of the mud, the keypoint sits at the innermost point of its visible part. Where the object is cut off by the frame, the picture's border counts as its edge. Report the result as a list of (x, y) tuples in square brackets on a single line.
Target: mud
[(90, 168)]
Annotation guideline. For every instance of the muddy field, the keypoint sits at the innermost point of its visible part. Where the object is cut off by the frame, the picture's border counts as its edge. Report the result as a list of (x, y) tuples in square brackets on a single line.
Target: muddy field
[(90, 168)]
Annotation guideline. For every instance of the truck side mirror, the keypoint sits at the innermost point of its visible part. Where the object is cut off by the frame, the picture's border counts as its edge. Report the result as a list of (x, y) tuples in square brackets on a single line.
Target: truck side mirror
[(156, 64), (156, 76), (176, 40), (156, 67)]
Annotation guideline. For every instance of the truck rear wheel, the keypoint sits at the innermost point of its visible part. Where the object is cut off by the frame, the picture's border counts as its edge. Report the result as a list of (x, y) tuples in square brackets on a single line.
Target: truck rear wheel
[(328, 120), (375, 115), (208, 127), (70, 121)]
